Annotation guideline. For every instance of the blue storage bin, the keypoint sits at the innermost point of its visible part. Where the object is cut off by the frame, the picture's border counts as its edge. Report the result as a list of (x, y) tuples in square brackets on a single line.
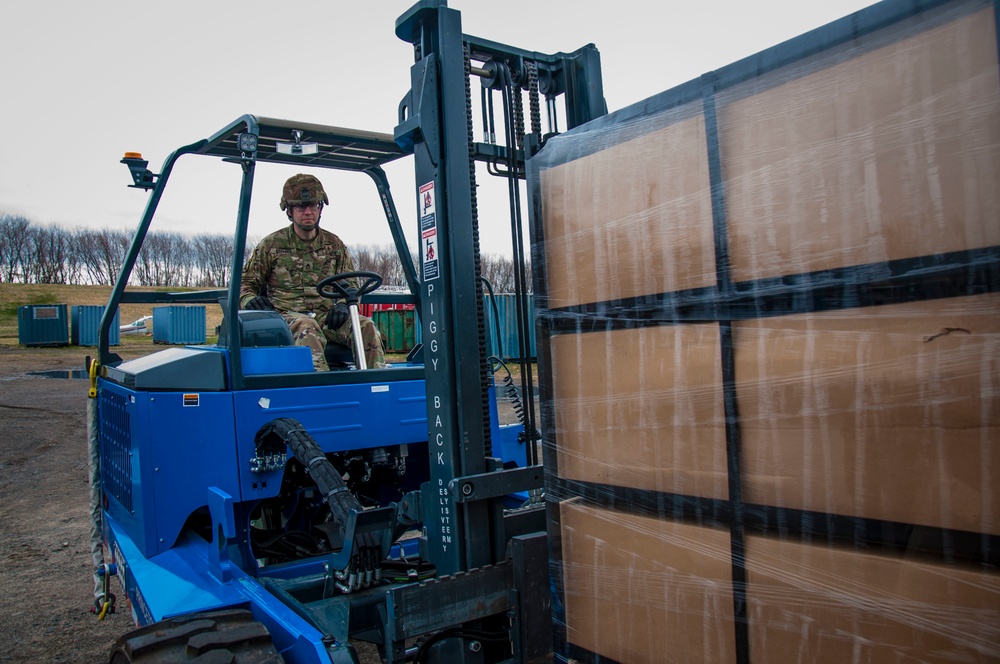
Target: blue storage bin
[(178, 324), (42, 325), (85, 325)]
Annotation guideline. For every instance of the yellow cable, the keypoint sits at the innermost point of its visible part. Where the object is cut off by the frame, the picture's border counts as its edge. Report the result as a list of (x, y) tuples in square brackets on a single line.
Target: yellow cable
[(104, 610)]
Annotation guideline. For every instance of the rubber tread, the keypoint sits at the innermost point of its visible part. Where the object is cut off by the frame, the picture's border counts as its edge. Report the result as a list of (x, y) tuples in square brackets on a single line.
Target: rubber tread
[(250, 633), (154, 638), (216, 657), (223, 637)]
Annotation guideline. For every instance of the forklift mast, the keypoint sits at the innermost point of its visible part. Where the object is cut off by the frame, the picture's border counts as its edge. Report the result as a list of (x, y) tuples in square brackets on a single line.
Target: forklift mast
[(436, 124)]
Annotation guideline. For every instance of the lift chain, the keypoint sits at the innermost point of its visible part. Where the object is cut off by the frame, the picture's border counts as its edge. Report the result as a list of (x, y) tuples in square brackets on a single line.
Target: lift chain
[(533, 104), (518, 112), (484, 366)]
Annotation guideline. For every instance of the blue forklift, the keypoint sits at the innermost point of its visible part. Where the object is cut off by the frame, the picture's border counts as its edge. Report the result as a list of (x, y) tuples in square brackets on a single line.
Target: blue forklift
[(255, 510)]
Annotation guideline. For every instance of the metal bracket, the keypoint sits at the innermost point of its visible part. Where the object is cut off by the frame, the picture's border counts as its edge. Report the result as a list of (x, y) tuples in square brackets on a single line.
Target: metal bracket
[(421, 608), (220, 506), (421, 105), (496, 484), (268, 462), (142, 177), (380, 520), (532, 624)]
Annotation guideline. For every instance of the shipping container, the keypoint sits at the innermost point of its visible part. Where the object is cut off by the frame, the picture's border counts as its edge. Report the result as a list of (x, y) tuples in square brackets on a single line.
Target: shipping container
[(397, 327), (369, 309), (85, 325), (502, 336), (42, 325), (769, 354), (178, 324)]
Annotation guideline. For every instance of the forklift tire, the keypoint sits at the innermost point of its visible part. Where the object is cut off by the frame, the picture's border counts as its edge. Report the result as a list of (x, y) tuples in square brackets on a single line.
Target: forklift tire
[(230, 637)]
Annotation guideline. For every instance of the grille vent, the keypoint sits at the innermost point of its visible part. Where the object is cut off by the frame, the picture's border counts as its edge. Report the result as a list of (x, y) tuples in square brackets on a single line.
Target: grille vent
[(116, 446)]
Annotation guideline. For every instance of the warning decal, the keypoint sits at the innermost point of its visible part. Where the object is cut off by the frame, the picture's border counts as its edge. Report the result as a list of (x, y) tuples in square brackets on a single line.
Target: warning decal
[(428, 231), (190, 400)]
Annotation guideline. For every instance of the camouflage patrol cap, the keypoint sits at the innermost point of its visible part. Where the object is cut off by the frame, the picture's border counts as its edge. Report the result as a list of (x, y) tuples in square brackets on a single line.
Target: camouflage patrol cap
[(302, 188)]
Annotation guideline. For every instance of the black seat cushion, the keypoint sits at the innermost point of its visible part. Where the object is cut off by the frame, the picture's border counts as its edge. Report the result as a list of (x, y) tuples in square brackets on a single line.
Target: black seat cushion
[(338, 356)]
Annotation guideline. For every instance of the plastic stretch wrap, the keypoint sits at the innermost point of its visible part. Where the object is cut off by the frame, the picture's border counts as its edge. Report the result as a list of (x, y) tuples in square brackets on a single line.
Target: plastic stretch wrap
[(769, 347)]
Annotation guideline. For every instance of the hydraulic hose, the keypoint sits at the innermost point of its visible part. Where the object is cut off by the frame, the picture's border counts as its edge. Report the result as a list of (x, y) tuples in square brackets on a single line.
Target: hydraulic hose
[(366, 557)]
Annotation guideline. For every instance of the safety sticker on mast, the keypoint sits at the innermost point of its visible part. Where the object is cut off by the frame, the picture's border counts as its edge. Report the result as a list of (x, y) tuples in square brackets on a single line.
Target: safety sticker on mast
[(428, 232)]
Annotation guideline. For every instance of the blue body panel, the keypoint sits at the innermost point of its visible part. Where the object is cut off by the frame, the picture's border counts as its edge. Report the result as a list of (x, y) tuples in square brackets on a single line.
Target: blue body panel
[(180, 581), (171, 448), (338, 417), (176, 445), (283, 359)]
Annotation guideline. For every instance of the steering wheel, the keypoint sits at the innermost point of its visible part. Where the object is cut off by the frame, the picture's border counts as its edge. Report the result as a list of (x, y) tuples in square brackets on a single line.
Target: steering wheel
[(330, 287)]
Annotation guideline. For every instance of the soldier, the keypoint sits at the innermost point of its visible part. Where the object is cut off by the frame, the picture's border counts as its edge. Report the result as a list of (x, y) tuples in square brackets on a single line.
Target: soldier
[(285, 267)]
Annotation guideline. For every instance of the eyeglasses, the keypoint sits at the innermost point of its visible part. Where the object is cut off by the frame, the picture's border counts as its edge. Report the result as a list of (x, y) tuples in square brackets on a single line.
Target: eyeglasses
[(305, 206)]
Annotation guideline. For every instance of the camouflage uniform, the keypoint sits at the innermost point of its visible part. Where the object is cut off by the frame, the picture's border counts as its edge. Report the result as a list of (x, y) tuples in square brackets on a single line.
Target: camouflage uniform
[(287, 269)]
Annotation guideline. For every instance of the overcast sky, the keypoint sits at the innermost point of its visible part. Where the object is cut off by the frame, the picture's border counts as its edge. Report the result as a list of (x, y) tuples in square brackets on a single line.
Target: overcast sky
[(84, 82)]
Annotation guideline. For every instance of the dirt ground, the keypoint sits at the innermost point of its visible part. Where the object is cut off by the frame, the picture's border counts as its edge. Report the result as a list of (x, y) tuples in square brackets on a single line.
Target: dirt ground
[(46, 591)]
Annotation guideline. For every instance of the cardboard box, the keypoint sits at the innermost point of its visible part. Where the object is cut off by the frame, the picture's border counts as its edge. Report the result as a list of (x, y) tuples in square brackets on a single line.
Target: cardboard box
[(884, 412), (642, 408), (824, 604), (891, 154), (625, 221), (644, 590)]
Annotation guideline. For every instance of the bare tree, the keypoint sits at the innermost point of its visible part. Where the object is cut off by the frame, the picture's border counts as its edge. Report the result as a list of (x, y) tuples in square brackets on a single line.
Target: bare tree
[(46, 255), (54, 255), (102, 253), (214, 256), (496, 268), (499, 270), (382, 260), (147, 263), (74, 266), (13, 240), (182, 255), (161, 260)]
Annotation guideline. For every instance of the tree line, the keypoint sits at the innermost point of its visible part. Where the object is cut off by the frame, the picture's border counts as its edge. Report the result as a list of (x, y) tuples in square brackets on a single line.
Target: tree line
[(32, 253)]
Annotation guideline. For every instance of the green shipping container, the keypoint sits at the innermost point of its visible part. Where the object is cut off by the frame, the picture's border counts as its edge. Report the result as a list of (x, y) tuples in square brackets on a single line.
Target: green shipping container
[(398, 329)]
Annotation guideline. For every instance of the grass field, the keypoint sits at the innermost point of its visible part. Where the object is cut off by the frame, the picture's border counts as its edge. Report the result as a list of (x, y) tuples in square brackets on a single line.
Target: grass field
[(13, 296)]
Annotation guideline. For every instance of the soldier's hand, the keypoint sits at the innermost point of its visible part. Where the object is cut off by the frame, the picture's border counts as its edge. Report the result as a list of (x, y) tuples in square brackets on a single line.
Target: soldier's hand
[(339, 315), (259, 303)]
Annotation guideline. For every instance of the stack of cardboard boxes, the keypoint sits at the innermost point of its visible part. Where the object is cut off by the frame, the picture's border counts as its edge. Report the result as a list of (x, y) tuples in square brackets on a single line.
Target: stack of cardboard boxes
[(770, 354)]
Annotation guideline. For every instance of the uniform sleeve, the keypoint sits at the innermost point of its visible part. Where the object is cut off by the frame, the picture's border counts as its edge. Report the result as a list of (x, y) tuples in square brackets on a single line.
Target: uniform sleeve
[(348, 265), (255, 274)]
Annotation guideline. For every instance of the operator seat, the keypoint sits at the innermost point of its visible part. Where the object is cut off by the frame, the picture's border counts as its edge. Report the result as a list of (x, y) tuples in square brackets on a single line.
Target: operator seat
[(262, 329), (338, 356), (258, 329)]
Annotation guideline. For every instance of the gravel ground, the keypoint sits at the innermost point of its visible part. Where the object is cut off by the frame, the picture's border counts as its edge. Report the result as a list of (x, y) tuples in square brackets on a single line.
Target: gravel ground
[(46, 591)]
